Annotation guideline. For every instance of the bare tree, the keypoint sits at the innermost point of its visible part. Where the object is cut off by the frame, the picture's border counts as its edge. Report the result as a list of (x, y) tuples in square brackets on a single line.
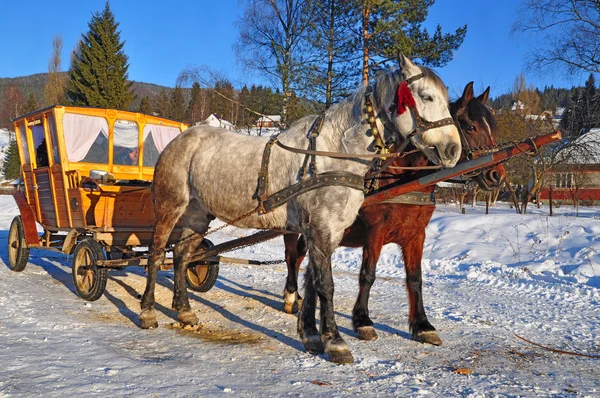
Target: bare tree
[(12, 105), (54, 91), (563, 33), (272, 41)]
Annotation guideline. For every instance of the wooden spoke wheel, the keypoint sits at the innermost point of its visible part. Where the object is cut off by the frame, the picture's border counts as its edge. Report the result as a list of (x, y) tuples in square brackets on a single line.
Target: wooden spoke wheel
[(89, 280), (202, 277), (18, 252)]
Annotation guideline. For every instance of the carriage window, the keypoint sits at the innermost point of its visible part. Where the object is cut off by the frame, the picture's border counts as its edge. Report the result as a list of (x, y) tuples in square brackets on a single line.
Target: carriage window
[(156, 138), (39, 143), (24, 144), (54, 146), (86, 138), (126, 143)]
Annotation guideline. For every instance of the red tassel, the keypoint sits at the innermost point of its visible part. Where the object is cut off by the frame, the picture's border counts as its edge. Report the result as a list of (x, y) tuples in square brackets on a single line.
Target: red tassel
[(405, 98)]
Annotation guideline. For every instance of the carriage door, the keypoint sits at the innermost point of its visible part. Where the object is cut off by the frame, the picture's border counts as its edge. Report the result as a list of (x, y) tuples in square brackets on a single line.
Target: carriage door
[(42, 175)]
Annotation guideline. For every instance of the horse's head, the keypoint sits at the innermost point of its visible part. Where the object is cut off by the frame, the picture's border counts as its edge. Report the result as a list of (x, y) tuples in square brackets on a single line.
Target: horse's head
[(415, 101), (477, 129)]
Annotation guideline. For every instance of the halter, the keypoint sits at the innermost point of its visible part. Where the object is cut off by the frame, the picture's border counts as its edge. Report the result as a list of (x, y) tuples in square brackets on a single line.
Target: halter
[(404, 99)]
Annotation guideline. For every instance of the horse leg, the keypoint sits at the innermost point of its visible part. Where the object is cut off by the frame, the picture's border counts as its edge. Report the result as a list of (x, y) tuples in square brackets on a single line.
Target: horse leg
[(290, 292), (160, 237), (360, 314), (319, 282), (420, 327), (195, 225)]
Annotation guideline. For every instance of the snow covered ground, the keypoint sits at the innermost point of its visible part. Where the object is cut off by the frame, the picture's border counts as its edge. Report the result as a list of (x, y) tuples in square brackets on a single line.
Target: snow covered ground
[(486, 277)]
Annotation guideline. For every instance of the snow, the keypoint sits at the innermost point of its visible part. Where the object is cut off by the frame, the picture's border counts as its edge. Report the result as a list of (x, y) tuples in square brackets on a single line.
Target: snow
[(486, 277)]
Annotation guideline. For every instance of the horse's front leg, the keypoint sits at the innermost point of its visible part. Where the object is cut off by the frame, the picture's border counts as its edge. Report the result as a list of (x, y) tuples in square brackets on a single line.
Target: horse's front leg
[(319, 282), (420, 327), (160, 238), (295, 250), (360, 314)]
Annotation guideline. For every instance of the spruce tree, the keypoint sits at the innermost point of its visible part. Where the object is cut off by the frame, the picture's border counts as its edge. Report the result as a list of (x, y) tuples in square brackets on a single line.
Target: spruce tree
[(145, 106), (194, 111), (11, 168), (177, 104), (98, 75), (583, 110), (163, 105), (31, 104)]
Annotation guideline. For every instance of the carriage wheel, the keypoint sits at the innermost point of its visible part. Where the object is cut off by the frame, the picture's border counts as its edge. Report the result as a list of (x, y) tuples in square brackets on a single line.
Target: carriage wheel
[(18, 252), (202, 277), (89, 280)]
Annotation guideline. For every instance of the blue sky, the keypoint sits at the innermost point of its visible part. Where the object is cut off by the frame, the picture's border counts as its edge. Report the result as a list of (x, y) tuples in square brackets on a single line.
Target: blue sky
[(163, 37)]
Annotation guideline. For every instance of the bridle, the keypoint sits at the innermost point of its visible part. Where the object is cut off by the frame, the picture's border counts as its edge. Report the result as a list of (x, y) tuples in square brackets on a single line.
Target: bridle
[(403, 100)]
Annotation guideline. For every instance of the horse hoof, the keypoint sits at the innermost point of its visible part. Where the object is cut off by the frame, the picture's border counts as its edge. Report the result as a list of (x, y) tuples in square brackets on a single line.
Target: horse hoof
[(290, 308), (367, 333), (339, 353), (148, 320), (313, 344), (187, 317), (429, 337)]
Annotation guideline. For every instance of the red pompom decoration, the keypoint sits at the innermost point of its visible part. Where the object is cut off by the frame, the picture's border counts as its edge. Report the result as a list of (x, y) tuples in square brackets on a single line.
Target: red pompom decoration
[(405, 98)]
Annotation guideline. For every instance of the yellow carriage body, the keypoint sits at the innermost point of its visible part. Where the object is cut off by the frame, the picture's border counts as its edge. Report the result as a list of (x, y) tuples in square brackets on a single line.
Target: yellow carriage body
[(61, 146)]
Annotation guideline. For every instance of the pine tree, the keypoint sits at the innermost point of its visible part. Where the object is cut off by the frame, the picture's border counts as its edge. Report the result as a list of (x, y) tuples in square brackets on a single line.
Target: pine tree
[(98, 75), (332, 71), (177, 104), (145, 106), (393, 26), (11, 168)]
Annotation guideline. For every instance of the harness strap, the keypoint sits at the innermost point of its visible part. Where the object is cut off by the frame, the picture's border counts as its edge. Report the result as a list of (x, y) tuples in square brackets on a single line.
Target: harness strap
[(263, 175), (330, 178), (413, 198)]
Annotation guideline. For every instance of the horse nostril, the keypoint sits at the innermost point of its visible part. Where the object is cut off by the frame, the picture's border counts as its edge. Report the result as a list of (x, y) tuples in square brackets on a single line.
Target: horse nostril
[(451, 151)]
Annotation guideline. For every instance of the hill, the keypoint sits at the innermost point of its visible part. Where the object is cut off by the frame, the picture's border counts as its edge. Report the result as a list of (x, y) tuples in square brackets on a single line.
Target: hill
[(35, 84)]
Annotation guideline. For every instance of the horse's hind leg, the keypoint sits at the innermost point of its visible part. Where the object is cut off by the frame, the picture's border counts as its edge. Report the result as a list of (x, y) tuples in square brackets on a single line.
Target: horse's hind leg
[(295, 249), (420, 327), (360, 314), (195, 225)]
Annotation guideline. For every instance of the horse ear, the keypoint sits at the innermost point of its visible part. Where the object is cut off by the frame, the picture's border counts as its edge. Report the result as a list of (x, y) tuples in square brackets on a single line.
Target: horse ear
[(407, 66), (484, 97), (467, 93)]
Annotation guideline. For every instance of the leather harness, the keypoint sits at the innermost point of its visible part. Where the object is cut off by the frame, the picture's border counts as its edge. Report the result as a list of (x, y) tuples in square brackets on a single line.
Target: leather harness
[(310, 179)]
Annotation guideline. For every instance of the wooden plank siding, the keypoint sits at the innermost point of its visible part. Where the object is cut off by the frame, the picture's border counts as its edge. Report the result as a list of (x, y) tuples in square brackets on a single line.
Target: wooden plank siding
[(45, 197), (59, 196)]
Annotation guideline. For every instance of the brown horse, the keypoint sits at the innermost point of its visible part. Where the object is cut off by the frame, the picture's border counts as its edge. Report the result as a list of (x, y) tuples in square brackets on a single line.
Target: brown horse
[(403, 224)]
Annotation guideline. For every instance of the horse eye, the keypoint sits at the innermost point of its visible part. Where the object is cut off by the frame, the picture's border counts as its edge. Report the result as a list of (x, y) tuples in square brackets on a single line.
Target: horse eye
[(427, 98), (471, 128)]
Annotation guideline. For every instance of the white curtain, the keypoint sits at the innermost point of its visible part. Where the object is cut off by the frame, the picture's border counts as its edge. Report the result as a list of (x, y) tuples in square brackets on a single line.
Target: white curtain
[(80, 133), (161, 135), (38, 135), (126, 134)]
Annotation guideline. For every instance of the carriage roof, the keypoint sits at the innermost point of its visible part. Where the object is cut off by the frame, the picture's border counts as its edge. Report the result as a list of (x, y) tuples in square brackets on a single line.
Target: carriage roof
[(81, 139)]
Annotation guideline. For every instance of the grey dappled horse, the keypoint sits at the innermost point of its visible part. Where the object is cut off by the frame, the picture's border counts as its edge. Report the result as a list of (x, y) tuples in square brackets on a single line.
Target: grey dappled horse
[(209, 172)]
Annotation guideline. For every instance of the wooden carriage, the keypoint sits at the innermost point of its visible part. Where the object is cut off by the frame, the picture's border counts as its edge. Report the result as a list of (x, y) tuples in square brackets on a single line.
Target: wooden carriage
[(86, 176)]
